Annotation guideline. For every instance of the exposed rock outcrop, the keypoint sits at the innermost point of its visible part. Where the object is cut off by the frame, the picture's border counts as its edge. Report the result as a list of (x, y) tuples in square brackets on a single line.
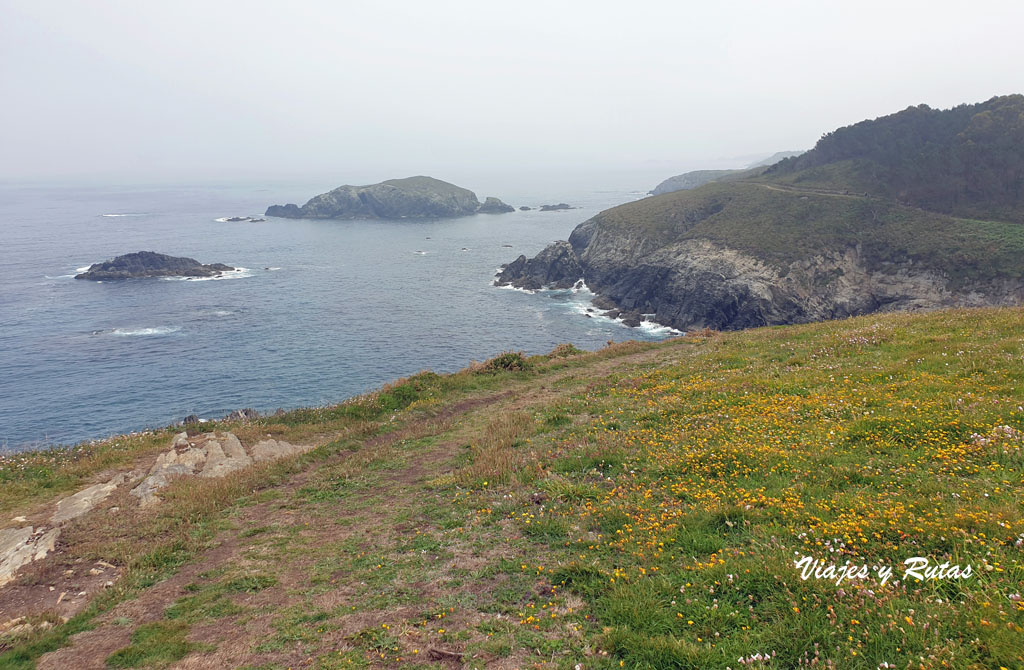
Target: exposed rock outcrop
[(696, 283), (143, 264), (493, 205), (410, 198), (209, 455), (557, 266), (555, 208)]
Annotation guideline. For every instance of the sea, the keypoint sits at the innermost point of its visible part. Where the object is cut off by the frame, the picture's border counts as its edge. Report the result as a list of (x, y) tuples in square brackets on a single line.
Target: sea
[(318, 311)]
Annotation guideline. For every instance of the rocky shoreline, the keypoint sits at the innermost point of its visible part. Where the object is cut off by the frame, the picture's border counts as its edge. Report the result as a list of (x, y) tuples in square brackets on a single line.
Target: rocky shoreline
[(700, 283)]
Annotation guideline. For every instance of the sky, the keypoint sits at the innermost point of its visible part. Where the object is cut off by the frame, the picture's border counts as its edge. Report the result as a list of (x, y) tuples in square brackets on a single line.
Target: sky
[(146, 90)]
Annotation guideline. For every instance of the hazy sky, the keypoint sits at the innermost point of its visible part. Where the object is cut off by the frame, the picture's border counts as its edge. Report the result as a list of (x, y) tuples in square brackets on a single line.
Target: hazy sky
[(209, 89)]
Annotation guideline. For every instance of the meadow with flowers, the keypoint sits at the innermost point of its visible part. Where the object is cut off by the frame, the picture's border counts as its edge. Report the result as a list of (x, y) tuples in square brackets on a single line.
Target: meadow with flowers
[(643, 506)]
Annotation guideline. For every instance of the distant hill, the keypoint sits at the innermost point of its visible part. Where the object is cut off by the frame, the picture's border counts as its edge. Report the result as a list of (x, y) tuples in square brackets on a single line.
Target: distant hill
[(775, 158), (688, 180), (918, 210), (410, 198)]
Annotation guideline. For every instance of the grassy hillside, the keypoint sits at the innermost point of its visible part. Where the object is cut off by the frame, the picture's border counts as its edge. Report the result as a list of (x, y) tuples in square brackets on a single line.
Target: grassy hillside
[(642, 507), (967, 161), (780, 224)]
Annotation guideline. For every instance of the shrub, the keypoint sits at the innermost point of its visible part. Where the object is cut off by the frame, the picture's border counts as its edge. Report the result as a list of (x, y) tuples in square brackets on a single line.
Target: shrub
[(565, 350), (508, 361)]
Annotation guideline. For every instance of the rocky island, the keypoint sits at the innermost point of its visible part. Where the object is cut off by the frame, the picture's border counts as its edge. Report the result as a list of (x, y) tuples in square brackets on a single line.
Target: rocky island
[(867, 221), (410, 198), (143, 264)]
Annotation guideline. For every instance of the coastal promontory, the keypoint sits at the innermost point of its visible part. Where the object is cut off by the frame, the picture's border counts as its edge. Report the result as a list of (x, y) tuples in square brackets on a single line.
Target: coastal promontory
[(883, 215), (143, 264), (410, 198)]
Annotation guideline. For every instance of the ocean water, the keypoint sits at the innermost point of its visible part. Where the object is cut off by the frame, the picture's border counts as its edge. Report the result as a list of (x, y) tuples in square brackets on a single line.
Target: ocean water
[(319, 310)]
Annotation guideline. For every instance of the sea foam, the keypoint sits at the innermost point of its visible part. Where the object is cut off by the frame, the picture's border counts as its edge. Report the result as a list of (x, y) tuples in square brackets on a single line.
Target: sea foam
[(141, 332)]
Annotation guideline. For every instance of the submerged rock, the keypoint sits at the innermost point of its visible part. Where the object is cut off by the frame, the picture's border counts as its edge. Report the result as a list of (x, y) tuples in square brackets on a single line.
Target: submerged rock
[(143, 264)]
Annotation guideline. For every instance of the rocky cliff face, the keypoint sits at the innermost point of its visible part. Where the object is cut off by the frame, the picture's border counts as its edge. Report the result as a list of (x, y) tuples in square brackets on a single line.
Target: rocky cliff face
[(143, 264), (698, 283), (410, 198)]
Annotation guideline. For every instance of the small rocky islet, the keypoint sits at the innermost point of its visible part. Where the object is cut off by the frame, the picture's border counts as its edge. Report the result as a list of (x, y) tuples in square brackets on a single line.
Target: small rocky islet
[(150, 264), (417, 197)]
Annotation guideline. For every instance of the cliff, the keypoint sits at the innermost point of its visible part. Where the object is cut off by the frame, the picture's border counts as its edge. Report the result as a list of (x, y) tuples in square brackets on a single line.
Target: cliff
[(409, 198), (574, 501), (729, 256)]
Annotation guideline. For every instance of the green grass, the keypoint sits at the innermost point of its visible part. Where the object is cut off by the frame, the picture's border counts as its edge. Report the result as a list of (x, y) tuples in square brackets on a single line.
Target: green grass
[(643, 509), (154, 645), (780, 227)]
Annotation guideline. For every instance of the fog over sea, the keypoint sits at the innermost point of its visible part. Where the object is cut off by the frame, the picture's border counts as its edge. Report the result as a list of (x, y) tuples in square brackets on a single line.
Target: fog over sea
[(320, 310)]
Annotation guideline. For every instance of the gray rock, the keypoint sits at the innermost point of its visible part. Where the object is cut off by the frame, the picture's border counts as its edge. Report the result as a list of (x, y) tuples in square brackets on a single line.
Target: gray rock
[(270, 450), (555, 208), (556, 267), (146, 264), (495, 206), (78, 504), (243, 415), (209, 455), (16, 549), (224, 456), (146, 491), (21, 546)]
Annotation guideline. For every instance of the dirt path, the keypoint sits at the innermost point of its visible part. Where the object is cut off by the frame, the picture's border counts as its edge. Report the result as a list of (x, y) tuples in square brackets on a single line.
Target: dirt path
[(313, 534)]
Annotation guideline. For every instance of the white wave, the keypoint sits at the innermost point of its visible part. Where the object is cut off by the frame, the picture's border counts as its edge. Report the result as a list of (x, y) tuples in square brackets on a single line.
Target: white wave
[(82, 269), (271, 269), (420, 253), (120, 215), (515, 288), (161, 330), (655, 328), (222, 312), (237, 273)]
